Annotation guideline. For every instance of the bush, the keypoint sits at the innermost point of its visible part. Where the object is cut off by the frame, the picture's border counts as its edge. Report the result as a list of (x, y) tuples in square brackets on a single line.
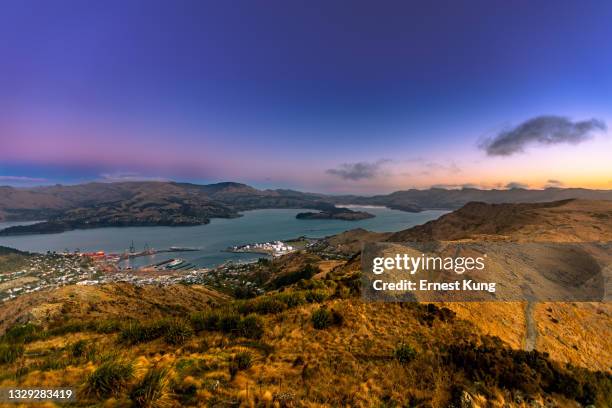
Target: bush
[(264, 305), (10, 352), (135, 332), (208, 320), (239, 362), (306, 272), (291, 299), (176, 331), (152, 390), (244, 292), (404, 353), (107, 326), (316, 296), (109, 379), (251, 327), (229, 322), (78, 349), (22, 333), (321, 318)]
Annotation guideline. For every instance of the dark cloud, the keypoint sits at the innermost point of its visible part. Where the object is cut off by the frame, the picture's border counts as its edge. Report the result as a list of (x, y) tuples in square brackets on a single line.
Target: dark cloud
[(358, 171), (516, 184), (554, 183), (541, 130)]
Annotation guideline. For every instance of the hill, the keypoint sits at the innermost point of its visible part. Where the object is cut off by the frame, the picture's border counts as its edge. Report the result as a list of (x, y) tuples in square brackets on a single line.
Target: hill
[(312, 341), (95, 205), (559, 221)]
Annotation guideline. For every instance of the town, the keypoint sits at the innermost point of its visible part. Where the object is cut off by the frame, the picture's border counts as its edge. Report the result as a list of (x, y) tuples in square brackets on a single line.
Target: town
[(51, 270), (275, 248)]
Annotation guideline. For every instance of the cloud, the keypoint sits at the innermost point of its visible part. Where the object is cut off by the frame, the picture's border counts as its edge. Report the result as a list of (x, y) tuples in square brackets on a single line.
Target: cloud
[(516, 184), (554, 184), (359, 170), (128, 176), (541, 130), (22, 179), (456, 186)]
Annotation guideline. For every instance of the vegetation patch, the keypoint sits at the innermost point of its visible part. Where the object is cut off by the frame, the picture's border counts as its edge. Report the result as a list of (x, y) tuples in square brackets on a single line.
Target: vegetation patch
[(9, 353), (290, 278), (323, 318), (404, 353), (109, 379), (240, 361), (152, 390)]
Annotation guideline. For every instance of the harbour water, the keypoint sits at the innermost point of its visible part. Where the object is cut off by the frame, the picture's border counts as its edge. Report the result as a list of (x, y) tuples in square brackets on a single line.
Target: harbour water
[(213, 238)]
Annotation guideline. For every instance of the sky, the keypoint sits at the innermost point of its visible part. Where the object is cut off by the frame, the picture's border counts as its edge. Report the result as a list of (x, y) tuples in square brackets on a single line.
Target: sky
[(337, 97)]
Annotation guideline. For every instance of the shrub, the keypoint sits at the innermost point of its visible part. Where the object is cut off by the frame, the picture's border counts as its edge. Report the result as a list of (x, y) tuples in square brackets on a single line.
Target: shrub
[(316, 295), (251, 327), (291, 299), (404, 353), (10, 352), (229, 322), (78, 349), (135, 332), (306, 272), (337, 318), (207, 320), (68, 327), (152, 390), (22, 333), (107, 326), (321, 318), (244, 292), (240, 361), (264, 305), (176, 331), (109, 379)]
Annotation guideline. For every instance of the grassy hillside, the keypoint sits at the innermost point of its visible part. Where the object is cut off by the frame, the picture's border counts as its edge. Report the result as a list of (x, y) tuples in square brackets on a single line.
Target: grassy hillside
[(12, 259), (315, 344), (310, 340)]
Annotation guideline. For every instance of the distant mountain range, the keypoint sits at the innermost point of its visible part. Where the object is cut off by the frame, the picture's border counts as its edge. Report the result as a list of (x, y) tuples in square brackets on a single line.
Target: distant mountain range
[(174, 204)]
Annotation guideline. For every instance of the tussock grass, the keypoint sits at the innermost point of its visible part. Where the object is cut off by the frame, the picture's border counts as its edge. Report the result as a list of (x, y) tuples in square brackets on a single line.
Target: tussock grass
[(79, 348), (153, 391), (240, 361), (174, 331), (404, 353), (230, 322), (109, 379), (177, 331), (9, 353), (23, 333), (323, 318)]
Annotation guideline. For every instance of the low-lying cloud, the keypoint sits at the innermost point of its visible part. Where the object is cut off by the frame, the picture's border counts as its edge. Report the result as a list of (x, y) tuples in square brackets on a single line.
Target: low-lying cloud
[(554, 183), (128, 176), (21, 179), (358, 171), (541, 130), (516, 184)]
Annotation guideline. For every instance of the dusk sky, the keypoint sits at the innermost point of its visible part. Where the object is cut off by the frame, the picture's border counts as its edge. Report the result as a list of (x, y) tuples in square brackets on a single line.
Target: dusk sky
[(328, 96)]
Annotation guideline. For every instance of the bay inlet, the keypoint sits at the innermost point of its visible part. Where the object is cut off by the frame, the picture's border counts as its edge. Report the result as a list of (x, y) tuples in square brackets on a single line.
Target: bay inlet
[(210, 240)]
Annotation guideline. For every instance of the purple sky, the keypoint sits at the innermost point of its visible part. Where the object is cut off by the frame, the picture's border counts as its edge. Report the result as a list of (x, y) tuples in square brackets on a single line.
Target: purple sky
[(344, 96)]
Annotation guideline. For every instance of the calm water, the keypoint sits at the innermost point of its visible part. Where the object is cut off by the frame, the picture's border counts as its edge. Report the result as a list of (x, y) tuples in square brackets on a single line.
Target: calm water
[(211, 239)]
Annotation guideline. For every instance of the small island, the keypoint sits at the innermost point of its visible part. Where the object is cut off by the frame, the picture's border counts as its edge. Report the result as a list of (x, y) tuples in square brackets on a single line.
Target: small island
[(335, 213)]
